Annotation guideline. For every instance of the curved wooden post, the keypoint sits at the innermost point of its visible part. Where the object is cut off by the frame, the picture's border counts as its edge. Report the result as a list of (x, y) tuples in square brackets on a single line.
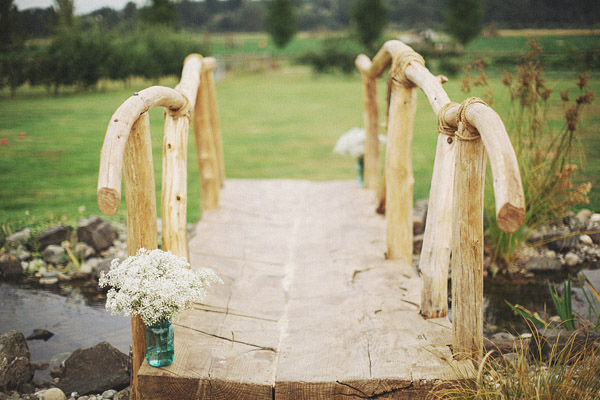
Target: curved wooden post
[(370, 118), (479, 122), (398, 172), (210, 64), (140, 198), (467, 247), (205, 148)]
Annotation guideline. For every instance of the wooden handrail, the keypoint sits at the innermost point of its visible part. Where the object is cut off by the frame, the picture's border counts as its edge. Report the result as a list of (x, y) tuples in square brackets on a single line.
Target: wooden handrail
[(127, 149), (455, 217)]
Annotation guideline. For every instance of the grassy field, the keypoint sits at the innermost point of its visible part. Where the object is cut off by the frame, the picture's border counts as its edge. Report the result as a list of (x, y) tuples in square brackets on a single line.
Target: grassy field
[(282, 124)]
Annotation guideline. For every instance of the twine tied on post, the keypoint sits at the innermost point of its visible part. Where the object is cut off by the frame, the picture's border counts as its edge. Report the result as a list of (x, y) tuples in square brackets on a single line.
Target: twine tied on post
[(474, 134)]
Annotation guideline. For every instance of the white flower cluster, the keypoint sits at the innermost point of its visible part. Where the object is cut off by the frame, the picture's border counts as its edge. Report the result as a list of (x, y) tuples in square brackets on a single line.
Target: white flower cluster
[(352, 143), (156, 285)]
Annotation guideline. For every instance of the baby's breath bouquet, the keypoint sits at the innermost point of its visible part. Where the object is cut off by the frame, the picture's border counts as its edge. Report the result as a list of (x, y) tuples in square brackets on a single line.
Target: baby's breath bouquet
[(352, 143), (154, 284)]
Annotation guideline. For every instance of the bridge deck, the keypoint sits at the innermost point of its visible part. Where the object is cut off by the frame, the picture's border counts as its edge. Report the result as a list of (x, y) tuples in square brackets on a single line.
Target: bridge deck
[(310, 308)]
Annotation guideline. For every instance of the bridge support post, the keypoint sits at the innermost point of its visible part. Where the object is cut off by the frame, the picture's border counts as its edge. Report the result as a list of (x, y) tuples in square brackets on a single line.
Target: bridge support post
[(467, 244), (398, 171), (140, 199)]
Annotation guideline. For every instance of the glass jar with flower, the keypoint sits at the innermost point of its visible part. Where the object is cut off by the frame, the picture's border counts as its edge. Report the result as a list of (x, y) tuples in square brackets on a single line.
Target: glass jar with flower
[(157, 286), (352, 143)]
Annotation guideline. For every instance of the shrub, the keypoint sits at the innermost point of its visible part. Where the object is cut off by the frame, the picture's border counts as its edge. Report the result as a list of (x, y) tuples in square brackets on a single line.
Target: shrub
[(545, 148), (335, 54)]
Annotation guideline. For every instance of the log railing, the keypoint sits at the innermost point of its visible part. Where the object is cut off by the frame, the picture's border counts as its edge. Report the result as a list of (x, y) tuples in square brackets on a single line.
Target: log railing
[(454, 224), (127, 150)]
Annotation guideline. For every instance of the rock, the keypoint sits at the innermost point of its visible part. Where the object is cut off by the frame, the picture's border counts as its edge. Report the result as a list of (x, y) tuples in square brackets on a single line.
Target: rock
[(586, 239), (94, 370), (40, 334), (10, 267), (22, 253), (109, 394), (15, 367), (97, 233), (123, 394), (35, 265), (49, 278), (584, 216), (27, 388), (18, 238), (561, 241), (103, 266), (543, 263), (572, 259), (86, 269), (54, 394), (419, 221), (54, 235), (502, 336), (83, 251), (418, 243), (595, 219), (54, 254)]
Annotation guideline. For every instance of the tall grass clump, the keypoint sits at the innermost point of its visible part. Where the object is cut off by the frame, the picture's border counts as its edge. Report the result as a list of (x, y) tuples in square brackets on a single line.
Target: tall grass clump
[(546, 369), (547, 147)]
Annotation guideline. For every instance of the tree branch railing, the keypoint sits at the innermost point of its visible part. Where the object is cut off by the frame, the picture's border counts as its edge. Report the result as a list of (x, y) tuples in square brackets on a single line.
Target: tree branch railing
[(454, 224), (127, 150)]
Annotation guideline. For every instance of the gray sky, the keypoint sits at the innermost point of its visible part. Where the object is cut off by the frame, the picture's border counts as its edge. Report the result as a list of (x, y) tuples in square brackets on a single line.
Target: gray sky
[(81, 6)]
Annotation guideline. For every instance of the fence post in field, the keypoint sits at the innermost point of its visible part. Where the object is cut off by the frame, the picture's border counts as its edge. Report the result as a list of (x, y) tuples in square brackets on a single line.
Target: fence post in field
[(211, 64), (371, 122), (205, 149), (127, 149), (480, 129), (140, 198)]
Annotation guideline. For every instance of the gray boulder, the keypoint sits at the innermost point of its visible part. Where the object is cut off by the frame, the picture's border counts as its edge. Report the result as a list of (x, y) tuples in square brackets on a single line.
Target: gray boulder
[(18, 238), (562, 241), (15, 366), (543, 263), (103, 266), (97, 233), (54, 235), (54, 254), (94, 370), (10, 267)]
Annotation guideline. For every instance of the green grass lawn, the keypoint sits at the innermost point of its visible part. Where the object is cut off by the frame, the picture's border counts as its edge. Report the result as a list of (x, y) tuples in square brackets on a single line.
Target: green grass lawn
[(276, 125)]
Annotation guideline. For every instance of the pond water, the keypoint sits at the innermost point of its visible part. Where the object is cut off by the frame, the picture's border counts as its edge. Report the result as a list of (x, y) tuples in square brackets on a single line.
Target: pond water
[(77, 317), (74, 313)]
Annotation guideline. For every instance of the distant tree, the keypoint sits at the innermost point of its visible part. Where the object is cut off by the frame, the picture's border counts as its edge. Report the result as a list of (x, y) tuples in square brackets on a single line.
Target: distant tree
[(160, 12), (65, 10), (464, 19), (281, 21), (11, 32), (369, 18)]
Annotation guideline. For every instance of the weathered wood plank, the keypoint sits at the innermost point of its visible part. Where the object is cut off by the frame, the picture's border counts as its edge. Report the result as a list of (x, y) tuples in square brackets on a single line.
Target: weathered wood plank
[(317, 312)]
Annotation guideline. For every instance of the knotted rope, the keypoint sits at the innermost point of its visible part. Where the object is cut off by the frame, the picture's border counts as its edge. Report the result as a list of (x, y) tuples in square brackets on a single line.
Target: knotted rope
[(397, 74), (463, 119), (443, 126)]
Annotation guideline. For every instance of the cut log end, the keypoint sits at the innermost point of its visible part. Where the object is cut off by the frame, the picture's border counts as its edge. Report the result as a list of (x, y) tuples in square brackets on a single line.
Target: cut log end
[(109, 200), (510, 218), (430, 314)]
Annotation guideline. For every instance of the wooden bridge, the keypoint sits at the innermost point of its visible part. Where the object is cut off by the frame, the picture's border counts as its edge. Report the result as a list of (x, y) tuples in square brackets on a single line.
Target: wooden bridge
[(320, 297)]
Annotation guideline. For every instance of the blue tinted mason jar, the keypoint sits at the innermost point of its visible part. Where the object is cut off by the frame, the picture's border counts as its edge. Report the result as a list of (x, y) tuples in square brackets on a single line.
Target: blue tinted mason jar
[(160, 346)]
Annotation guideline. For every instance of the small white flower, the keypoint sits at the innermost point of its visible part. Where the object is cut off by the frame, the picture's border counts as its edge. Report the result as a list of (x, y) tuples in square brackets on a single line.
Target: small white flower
[(352, 143), (156, 285)]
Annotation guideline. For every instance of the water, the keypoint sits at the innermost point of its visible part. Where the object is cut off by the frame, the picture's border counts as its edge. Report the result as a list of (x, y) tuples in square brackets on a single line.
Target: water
[(74, 313)]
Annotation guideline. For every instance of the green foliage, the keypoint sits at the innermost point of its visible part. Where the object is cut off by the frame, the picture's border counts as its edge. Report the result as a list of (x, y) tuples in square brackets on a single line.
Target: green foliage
[(335, 54), (369, 18), (528, 315), (563, 304), (281, 21), (159, 13), (464, 19), (11, 32), (66, 14), (569, 372), (546, 149)]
